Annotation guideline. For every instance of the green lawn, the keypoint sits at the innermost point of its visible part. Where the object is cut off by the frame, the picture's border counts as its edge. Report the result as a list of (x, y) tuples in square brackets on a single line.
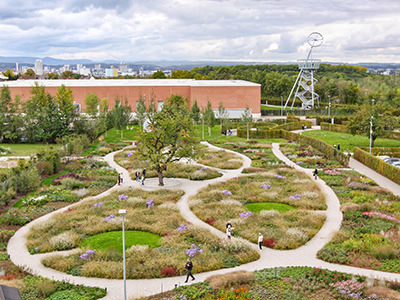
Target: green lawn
[(113, 239), (270, 107), (25, 149), (348, 141), (259, 206), (48, 180), (114, 136)]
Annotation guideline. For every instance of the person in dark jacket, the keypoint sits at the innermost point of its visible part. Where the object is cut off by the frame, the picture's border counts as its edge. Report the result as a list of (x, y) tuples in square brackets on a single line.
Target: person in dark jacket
[(143, 175), (315, 174), (189, 267)]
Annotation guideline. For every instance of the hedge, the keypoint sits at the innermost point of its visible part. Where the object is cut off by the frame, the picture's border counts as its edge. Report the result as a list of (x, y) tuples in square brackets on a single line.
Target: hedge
[(327, 149), (334, 127), (389, 151), (326, 119), (377, 164)]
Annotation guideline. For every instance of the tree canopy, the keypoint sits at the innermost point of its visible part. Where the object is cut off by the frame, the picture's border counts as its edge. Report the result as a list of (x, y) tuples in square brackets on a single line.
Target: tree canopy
[(169, 136)]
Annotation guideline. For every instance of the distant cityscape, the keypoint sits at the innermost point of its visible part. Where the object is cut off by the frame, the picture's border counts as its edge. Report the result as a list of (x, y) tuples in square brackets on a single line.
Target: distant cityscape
[(139, 70)]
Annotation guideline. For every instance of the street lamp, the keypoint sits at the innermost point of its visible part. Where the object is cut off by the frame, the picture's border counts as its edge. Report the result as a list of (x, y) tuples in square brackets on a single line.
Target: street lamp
[(329, 107), (281, 106), (202, 126), (370, 135), (122, 212)]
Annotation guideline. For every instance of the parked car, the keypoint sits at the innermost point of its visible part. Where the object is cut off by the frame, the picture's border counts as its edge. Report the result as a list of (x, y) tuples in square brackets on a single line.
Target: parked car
[(392, 160), (396, 164), (383, 157)]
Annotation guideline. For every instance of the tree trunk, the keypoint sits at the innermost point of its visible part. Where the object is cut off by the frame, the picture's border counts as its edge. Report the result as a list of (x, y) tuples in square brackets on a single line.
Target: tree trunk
[(160, 178), (209, 131), (122, 133), (373, 141)]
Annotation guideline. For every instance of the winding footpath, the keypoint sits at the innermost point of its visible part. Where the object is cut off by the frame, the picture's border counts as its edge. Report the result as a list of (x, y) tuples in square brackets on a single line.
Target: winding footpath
[(269, 258)]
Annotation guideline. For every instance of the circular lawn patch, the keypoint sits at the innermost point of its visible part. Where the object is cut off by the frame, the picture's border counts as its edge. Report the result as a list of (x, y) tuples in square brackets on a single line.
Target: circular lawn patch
[(256, 207), (113, 239)]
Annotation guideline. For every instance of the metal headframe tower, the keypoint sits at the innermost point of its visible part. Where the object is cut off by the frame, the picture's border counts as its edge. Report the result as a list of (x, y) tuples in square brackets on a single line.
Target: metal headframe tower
[(304, 84)]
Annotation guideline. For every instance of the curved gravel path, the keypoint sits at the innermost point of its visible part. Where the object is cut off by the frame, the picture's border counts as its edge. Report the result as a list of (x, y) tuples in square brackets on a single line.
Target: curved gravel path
[(303, 256)]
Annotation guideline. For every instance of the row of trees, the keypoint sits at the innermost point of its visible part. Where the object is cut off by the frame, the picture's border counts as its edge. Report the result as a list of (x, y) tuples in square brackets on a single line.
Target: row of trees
[(31, 73), (45, 118)]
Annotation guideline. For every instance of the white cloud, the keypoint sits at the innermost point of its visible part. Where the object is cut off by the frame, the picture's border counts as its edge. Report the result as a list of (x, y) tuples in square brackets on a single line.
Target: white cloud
[(266, 30)]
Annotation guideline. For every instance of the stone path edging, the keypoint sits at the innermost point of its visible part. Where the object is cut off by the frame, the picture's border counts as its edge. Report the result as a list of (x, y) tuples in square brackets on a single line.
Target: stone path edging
[(303, 256)]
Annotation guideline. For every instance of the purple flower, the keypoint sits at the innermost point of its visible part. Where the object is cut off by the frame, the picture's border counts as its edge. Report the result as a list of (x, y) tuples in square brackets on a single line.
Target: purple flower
[(227, 193), (202, 169), (130, 154), (295, 197), (265, 186), (280, 177), (98, 205), (149, 203), (246, 214), (299, 163), (88, 254), (193, 251), (213, 156), (182, 227), (122, 197), (109, 218)]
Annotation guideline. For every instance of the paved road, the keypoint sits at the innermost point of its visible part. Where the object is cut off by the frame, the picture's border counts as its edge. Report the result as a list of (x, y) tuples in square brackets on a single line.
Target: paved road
[(303, 256)]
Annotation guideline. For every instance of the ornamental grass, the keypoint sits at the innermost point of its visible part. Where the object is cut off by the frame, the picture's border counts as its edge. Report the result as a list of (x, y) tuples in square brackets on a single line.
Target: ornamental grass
[(162, 218), (226, 201)]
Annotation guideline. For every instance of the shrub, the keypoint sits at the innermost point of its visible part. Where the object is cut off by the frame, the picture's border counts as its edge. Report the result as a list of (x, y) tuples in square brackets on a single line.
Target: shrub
[(64, 241), (4, 198), (230, 262), (26, 180), (67, 295), (270, 243), (169, 271), (230, 279), (50, 156), (44, 167), (384, 252)]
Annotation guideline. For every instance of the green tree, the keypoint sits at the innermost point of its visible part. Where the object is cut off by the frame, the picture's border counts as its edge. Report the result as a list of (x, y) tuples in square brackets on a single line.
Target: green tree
[(67, 74), (158, 75), (209, 117), (120, 115), (381, 122), (92, 104), (247, 120), (223, 116), (10, 74), (195, 112), (66, 110), (169, 137), (29, 73), (53, 75), (182, 74), (140, 112)]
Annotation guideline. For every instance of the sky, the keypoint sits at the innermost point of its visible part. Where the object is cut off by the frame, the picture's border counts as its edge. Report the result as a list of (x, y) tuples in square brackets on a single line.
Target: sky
[(201, 30)]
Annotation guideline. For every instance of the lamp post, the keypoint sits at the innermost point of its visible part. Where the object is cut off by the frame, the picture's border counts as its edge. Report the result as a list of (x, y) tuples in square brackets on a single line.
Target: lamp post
[(281, 106), (370, 135), (329, 106), (202, 127), (122, 212)]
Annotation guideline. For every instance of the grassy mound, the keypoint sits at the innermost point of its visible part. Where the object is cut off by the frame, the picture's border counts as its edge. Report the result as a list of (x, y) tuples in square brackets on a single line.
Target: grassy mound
[(257, 207)]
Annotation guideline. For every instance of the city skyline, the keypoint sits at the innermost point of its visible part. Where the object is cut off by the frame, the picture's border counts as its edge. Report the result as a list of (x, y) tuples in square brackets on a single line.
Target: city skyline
[(273, 31)]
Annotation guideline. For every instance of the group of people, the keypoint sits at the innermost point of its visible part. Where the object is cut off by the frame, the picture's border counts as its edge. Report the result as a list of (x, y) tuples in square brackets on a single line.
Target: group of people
[(137, 176)]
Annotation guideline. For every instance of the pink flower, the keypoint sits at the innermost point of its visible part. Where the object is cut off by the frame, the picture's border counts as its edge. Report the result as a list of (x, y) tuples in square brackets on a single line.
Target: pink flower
[(380, 215)]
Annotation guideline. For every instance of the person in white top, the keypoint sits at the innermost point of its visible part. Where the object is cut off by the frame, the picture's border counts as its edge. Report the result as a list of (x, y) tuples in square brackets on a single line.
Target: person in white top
[(229, 231), (260, 240)]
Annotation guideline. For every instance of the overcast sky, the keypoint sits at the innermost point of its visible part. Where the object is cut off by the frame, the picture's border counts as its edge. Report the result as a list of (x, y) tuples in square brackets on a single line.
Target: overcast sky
[(262, 30)]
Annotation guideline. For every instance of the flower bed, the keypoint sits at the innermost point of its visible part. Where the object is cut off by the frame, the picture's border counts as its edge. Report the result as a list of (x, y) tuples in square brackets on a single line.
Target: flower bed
[(219, 203), (308, 157), (129, 161), (369, 236), (260, 154), (67, 230), (282, 283), (219, 159)]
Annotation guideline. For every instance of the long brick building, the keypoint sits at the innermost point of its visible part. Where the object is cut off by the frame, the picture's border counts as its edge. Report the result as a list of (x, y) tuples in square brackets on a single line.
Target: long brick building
[(233, 94)]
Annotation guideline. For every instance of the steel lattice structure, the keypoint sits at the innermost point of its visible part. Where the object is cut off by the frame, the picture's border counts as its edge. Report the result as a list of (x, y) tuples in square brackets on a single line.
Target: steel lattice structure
[(305, 81)]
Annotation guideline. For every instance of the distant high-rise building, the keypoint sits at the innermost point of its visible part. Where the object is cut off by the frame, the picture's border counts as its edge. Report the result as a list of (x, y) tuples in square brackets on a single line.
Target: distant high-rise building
[(16, 67), (39, 67), (97, 67)]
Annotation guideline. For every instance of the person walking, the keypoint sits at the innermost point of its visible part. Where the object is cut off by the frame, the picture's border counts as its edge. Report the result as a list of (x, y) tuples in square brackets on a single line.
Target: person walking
[(189, 267), (137, 175), (229, 231), (315, 173), (229, 223), (119, 179), (338, 147), (143, 175), (260, 240)]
